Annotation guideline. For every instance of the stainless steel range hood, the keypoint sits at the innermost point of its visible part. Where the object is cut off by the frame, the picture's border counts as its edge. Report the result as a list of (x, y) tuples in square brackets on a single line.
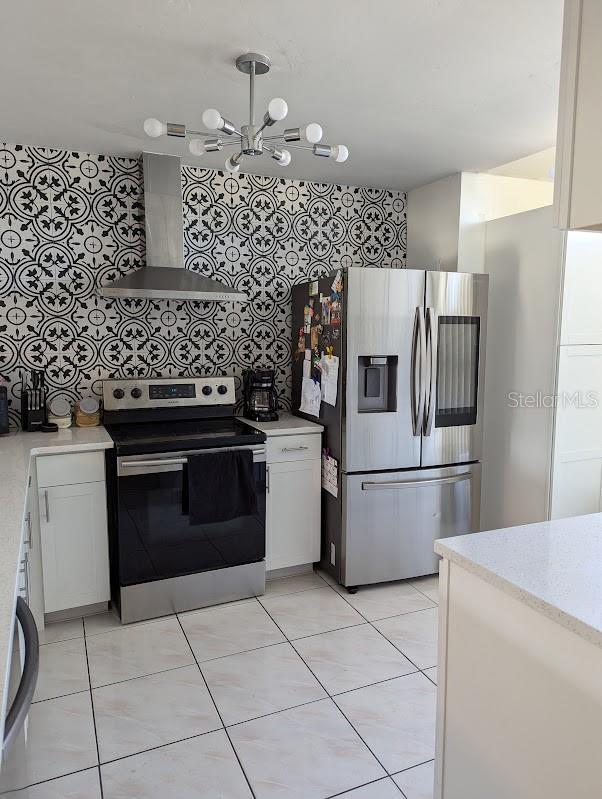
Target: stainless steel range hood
[(165, 276)]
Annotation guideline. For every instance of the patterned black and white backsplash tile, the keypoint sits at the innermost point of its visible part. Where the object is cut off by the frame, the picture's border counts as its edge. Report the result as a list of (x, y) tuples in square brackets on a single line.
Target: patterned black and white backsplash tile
[(70, 222)]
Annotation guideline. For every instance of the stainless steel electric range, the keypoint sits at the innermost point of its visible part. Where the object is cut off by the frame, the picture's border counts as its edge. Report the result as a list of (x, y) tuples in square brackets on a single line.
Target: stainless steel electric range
[(163, 561)]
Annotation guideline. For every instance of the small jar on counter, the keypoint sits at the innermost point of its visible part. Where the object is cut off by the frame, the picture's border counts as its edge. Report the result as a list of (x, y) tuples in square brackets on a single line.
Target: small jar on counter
[(59, 412), (87, 412)]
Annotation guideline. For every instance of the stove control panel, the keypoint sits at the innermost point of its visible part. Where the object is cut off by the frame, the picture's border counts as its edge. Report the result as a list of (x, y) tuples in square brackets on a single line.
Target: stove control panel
[(167, 392)]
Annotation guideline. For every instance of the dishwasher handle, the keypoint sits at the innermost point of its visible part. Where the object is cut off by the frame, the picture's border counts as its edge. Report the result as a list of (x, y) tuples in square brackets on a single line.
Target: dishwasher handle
[(15, 718)]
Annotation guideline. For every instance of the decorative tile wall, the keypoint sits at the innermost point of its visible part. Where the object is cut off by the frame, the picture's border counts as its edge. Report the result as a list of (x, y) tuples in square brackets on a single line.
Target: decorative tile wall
[(70, 222)]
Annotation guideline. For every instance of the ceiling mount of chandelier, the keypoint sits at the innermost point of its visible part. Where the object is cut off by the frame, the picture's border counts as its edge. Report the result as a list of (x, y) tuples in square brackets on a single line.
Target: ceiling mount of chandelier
[(250, 139)]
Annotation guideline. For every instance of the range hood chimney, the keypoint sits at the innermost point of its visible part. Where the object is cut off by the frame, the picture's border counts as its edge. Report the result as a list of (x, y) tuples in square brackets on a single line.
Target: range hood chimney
[(165, 276)]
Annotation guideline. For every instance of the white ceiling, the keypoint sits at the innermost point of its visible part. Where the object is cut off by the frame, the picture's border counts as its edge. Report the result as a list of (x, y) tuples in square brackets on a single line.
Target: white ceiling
[(417, 89)]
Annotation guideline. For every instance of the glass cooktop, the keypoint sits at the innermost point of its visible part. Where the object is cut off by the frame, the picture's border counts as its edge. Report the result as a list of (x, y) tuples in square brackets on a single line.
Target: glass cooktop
[(172, 436)]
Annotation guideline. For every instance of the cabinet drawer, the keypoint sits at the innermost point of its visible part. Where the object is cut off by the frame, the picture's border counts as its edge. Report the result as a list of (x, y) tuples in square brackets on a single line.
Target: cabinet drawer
[(70, 469), (293, 448)]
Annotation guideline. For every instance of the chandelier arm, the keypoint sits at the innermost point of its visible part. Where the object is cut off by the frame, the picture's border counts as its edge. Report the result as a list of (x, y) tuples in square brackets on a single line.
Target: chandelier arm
[(213, 135), (252, 94), (299, 146)]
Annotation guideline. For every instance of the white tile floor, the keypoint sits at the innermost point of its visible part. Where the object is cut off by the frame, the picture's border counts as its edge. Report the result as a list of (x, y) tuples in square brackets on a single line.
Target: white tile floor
[(305, 693)]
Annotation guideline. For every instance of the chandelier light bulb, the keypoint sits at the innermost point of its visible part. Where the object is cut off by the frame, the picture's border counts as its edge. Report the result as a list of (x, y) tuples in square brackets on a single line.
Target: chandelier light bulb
[(212, 119), (155, 128), (340, 153), (197, 147), (285, 158), (232, 165), (313, 133), (277, 109)]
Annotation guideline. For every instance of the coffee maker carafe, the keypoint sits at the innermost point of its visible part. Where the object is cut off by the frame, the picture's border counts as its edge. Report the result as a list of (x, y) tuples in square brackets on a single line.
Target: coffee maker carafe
[(259, 387)]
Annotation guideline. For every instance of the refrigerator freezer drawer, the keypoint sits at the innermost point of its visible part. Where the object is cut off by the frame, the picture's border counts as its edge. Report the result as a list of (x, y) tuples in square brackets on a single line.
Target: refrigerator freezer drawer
[(392, 519)]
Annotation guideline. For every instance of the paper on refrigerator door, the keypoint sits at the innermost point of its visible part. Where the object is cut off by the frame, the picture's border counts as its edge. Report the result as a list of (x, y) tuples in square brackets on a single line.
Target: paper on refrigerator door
[(310, 397), (306, 369), (330, 378), (330, 474)]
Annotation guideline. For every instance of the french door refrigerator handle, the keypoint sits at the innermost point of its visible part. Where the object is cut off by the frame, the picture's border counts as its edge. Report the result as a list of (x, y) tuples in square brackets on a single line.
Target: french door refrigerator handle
[(397, 484), (418, 367), (430, 333)]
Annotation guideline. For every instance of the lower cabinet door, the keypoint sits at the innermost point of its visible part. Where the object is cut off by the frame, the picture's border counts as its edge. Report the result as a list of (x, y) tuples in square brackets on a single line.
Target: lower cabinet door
[(75, 551), (293, 514)]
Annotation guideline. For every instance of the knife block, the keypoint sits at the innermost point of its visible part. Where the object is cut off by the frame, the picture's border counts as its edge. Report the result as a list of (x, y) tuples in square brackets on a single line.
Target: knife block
[(32, 419)]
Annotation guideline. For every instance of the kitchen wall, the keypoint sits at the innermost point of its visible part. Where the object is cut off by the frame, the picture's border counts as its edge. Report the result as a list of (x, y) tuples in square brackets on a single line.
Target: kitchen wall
[(433, 225), (72, 221), (446, 218)]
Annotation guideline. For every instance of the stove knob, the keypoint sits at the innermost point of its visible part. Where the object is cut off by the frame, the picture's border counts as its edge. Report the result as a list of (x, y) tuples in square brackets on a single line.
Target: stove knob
[(119, 393), (136, 393), (207, 390), (222, 389)]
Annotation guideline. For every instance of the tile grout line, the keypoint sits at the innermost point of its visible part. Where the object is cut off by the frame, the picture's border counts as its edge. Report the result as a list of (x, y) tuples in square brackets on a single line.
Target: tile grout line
[(371, 623), (371, 684), (158, 746), (15, 791), (328, 694), (235, 724), (419, 670), (403, 771), (409, 768), (93, 712), (366, 621), (387, 778), (145, 622), (226, 727), (216, 708)]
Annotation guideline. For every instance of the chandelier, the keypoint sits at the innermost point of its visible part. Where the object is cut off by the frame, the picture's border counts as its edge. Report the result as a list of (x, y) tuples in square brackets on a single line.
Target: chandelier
[(251, 140)]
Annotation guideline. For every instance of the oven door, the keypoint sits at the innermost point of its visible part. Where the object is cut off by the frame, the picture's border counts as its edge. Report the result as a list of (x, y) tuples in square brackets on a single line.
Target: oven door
[(155, 538)]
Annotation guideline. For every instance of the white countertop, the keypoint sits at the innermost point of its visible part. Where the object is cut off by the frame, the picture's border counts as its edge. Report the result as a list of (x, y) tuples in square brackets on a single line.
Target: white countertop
[(287, 425), (555, 567), (16, 452)]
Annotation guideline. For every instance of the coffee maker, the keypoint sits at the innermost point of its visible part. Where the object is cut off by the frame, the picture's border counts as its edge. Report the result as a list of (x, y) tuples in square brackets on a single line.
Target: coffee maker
[(259, 388)]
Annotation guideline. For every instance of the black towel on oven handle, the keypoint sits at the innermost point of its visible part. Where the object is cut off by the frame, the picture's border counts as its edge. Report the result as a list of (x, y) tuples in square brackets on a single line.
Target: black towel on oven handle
[(221, 486)]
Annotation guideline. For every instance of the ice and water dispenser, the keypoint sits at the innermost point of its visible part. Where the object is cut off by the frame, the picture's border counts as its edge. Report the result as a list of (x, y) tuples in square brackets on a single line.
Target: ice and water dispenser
[(377, 383)]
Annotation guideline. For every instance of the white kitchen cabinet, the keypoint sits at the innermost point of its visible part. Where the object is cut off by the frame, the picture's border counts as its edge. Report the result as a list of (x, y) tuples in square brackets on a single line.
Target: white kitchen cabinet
[(31, 565), (293, 501), (519, 694), (73, 531), (578, 177), (543, 396), (582, 297), (577, 477)]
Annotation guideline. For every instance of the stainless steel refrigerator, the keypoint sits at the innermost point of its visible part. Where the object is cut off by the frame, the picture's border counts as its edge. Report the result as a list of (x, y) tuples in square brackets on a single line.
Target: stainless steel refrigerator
[(406, 429)]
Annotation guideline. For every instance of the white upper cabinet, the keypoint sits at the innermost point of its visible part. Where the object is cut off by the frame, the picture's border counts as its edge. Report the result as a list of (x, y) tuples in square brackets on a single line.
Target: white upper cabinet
[(578, 189), (582, 299)]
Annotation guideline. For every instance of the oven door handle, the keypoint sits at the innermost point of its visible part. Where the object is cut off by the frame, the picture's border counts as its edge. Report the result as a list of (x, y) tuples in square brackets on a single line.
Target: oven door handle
[(163, 462), (153, 462)]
